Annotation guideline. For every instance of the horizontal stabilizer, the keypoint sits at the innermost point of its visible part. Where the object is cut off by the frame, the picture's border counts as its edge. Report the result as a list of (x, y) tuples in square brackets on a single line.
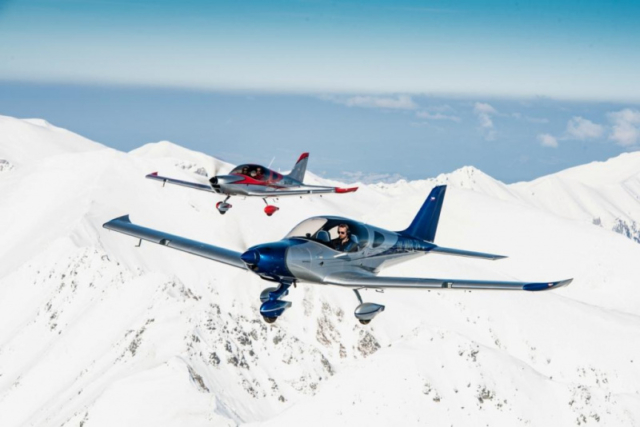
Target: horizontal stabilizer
[(468, 254)]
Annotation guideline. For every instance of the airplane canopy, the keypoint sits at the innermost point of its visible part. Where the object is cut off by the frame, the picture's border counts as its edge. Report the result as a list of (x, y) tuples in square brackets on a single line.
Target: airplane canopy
[(257, 172), (325, 229)]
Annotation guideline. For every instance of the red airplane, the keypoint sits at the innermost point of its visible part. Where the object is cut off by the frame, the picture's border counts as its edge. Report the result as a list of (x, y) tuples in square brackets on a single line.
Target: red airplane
[(258, 181)]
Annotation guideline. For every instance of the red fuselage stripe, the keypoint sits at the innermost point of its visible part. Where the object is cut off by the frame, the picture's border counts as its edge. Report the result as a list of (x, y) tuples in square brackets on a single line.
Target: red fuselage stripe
[(247, 180)]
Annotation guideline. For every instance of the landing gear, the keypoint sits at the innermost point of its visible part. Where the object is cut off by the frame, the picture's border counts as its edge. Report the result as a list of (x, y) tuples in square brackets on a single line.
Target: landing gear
[(272, 305), (223, 207), (366, 311), (270, 209)]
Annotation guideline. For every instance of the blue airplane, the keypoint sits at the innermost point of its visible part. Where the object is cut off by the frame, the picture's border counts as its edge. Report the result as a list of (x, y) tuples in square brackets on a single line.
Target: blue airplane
[(331, 250)]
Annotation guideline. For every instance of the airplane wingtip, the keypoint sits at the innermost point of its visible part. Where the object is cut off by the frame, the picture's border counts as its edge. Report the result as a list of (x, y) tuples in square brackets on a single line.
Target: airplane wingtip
[(123, 218), (547, 286), (346, 190)]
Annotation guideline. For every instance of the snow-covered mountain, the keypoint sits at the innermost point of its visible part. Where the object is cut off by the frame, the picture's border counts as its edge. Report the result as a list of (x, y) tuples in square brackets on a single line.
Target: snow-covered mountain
[(606, 194), (97, 332)]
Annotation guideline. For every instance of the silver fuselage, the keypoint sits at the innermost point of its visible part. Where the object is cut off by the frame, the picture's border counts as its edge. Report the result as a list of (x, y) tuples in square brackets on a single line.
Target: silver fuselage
[(309, 260)]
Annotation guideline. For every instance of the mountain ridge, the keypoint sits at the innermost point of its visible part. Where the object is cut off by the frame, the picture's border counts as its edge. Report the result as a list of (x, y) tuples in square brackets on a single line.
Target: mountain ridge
[(97, 331)]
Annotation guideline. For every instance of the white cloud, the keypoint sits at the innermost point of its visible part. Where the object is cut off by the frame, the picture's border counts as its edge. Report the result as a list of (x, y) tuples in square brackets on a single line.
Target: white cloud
[(626, 127), (484, 108), (577, 128), (484, 112), (581, 128), (400, 102), (437, 116), (547, 140)]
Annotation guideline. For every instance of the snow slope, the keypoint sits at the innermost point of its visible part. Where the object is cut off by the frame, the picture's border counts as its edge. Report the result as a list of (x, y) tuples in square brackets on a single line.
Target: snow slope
[(29, 140), (603, 193), (97, 332)]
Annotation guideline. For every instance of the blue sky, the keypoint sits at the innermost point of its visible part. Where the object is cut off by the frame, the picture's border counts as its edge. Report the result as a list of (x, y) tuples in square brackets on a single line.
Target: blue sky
[(517, 89)]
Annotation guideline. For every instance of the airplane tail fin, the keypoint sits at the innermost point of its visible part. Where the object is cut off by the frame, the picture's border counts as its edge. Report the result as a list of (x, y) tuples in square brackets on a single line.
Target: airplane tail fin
[(425, 223), (300, 168)]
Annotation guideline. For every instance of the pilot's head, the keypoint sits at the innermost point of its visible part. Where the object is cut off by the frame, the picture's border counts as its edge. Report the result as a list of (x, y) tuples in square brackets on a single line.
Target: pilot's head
[(259, 170), (253, 173), (343, 231)]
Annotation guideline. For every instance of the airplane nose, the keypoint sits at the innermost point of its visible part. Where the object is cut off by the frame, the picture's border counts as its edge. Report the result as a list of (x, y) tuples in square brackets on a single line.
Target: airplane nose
[(250, 257), (225, 179), (268, 260)]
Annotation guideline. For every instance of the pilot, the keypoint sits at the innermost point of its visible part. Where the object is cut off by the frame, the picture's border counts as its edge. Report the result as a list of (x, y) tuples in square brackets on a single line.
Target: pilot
[(245, 170), (259, 174), (343, 242)]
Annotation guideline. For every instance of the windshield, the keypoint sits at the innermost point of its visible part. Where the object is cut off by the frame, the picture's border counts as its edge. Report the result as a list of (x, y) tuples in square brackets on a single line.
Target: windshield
[(307, 228), (326, 231)]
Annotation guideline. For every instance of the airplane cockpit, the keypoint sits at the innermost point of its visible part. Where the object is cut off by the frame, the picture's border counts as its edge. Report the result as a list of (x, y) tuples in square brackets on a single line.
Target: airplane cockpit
[(324, 230), (257, 172)]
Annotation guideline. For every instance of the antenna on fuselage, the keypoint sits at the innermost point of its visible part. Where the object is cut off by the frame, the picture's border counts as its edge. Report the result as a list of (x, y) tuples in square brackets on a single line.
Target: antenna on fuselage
[(274, 157)]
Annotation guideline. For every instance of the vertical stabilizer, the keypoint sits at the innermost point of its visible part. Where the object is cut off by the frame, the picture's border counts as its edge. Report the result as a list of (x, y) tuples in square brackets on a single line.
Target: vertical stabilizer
[(300, 168), (425, 223)]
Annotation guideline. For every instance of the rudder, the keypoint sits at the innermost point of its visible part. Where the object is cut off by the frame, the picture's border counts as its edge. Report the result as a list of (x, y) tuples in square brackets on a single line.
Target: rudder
[(425, 223), (300, 168)]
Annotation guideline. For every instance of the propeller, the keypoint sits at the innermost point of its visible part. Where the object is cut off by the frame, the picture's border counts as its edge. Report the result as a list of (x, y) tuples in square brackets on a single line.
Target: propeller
[(212, 166)]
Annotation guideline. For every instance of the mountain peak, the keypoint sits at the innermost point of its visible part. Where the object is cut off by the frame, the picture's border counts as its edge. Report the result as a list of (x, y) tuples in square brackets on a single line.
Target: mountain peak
[(183, 158), (26, 140)]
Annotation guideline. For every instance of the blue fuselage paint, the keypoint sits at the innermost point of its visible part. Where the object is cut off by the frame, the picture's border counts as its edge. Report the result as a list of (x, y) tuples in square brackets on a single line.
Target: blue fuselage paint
[(268, 260)]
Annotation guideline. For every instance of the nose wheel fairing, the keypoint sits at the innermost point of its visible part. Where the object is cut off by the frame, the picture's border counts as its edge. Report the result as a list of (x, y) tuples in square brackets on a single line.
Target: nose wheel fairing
[(223, 206), (272, 305)]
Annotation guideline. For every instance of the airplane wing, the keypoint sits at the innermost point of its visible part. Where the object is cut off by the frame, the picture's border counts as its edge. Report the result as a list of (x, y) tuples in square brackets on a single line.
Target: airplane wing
[(369, 280), (123, 225), (463, 253), (164, 179), (302, 190)]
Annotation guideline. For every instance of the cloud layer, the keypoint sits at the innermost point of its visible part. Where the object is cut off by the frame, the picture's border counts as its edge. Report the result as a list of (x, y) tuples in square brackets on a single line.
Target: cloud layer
[(399, 102), (626, 127)]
